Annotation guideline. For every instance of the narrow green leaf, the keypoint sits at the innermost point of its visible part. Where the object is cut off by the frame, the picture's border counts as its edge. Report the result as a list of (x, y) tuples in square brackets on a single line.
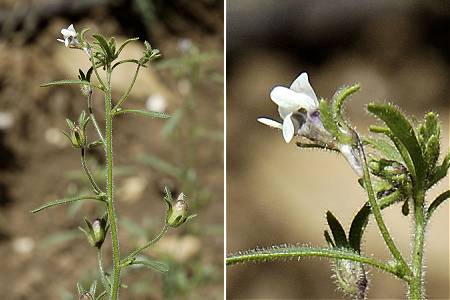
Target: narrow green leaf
[(361, 219), (152, 264), (124, 44), (404, 132), (440, 171), (63, 82), (104, 44), (359, 223), (64, 201), (438, 201), (146, 113), (69, 81), (383, 146), (283, 253), (337, 230), (172, 124)]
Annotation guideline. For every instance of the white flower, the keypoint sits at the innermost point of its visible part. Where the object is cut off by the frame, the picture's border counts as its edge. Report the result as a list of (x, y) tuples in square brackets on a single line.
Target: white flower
[(70, 36), (296, 104)]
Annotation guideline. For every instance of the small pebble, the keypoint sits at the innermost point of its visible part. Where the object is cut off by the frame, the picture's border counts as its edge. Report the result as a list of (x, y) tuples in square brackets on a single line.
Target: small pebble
[(23, 245), (132, 189), (184, 87)]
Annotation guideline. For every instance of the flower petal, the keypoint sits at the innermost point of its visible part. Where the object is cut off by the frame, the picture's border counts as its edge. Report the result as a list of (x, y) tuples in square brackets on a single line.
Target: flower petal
[(301, 85), (270, 123), (66, 42), (288, 128), (291, 101), (71, 28), (60, 40)]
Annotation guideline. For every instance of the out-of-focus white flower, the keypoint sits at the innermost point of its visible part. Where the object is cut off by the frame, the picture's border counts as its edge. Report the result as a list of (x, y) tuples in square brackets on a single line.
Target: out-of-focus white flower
[(6, 120), (185, 45), (70, 36), (296, 105), (156, 102)]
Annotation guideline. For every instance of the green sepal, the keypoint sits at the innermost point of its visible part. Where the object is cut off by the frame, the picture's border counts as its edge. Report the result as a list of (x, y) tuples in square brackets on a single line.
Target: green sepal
[(428, 128), (357, 228), (402, 130), (152, 264), (383, 146), (327, 118), (112, 47), (168, 197), (339, 98), (83, 33), (93, 288), (80, 289), (101, 41), (337, 231), (432, 151), (328, 239)]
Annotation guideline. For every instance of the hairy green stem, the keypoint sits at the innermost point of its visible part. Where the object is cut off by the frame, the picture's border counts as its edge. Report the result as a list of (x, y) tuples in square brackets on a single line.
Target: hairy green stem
[(101, 270), (94, 67), (148, 244), (94, 121), (273, 254), (127, 93), (110, 189), (377, 213), (416, 289), (88, 173)]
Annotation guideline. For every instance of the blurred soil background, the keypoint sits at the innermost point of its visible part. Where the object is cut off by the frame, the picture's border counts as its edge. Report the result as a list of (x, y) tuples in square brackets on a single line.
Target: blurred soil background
[(277, 193), (43, 256)]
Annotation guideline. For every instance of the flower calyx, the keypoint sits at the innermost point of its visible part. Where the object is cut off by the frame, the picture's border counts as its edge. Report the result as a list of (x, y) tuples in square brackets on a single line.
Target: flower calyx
[(77, 131), (177, 211), (96, 231), (149, 54)]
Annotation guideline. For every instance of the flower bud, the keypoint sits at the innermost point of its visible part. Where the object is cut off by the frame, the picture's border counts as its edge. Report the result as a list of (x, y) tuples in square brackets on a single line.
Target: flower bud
[(96, 231), (78, 137), (178, 213), (77, 131), (390, 170), (351, 278)]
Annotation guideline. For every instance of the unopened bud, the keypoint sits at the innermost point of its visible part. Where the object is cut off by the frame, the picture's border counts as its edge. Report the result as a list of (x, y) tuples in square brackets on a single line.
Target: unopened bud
[(96, 231), (78, 137), (178, 214)]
